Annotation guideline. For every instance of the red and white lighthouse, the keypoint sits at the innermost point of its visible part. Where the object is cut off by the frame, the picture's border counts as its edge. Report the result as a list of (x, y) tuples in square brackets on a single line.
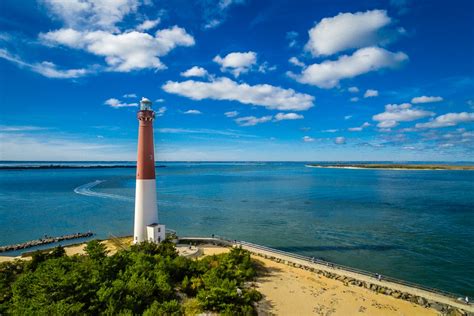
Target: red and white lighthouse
[(146, 208)]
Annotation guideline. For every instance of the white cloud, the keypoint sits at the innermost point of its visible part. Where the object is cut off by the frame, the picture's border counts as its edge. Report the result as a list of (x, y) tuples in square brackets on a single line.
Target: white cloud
[(295, 61), (252, 120), (330, 130), (265, 67), (193, 112), (308, 139), (213, 132), (130, 95), (359, 128), (346, 31), (371, 93), (215, 12), (425, 99), (340, 140), (123, 52), (160, 100), (395, 113), (354, 99), (57, 146), (212, 24), (231, 114), (91, 14), (148, 24), (387, 124), (328, 73), (115, 103), (449, 119), (11, 128), (45, 68), (161, 111), (288, 116), (291, 37), (266, 95), (347, 117), (195, 72), (237, 63), (353, 89)]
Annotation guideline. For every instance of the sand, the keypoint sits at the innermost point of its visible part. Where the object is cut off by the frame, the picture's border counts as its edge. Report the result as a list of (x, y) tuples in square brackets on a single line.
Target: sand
[(292, 291)]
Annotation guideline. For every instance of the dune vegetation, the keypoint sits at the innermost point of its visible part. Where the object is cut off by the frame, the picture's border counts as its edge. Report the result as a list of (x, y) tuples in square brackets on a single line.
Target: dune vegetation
[(146, 279)]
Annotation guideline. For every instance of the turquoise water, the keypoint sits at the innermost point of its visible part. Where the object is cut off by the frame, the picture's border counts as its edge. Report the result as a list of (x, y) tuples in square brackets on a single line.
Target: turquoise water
[(414, 225)]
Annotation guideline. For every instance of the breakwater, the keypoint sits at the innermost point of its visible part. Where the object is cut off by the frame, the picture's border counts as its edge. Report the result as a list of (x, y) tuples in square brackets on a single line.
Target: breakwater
[(44, 241)]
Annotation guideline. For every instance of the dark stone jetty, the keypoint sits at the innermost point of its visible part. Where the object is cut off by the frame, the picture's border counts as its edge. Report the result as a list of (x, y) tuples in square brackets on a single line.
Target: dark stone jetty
[(44, 241)]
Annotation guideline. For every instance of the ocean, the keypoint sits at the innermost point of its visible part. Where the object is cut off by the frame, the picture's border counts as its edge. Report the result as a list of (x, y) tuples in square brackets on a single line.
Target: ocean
[(414, 225)]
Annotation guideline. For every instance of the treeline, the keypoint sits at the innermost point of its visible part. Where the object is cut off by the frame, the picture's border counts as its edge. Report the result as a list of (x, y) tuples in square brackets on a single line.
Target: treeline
[(147, 279)]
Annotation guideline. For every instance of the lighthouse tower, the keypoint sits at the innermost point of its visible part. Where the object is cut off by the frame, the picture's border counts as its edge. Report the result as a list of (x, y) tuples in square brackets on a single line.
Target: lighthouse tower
[(146, 209)]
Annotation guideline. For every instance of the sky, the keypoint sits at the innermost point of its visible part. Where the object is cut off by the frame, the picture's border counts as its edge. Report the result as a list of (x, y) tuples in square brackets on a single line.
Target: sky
[(238, 80)]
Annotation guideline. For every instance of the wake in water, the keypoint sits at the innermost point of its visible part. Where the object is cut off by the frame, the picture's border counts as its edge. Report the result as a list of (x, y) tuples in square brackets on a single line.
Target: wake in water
[(85, 189)]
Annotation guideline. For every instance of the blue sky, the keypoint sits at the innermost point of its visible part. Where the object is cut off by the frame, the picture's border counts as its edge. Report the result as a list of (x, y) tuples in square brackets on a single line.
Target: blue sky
[(238, 80)]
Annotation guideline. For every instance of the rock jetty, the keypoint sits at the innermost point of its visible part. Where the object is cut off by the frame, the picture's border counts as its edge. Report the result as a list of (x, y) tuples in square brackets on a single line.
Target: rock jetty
[(43, 241)]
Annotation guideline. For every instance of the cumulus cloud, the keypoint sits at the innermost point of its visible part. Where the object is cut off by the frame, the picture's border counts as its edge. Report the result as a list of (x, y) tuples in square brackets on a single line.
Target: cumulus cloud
[(236, 63), (288, 116), (231, 114), (371, 93), (115, 103), (359, 128), (45, 68), (328, 73), (91, 14), (266, 95), (395, 113), (123, 52), (148, 24), (449, 119), (308, 139), (353, 89), (425, 99), (295, 61), (346, 31), (252, 120), (354, 99), (193, 112), (195, 72), (340, 140)]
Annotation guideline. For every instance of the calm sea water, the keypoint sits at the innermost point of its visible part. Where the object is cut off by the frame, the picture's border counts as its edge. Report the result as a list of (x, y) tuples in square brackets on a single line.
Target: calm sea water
[(414, 225)]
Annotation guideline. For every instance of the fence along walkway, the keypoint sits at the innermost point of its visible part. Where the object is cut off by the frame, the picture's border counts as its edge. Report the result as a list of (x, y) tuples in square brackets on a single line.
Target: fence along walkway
[(428, 293)]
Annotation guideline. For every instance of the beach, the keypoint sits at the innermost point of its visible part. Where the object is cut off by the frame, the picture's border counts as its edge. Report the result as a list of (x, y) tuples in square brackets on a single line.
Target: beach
[(293, 291)]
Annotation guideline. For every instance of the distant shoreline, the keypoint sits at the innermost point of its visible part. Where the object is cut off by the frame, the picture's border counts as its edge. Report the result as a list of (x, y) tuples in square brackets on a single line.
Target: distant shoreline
[(69, 167), (392, 166)]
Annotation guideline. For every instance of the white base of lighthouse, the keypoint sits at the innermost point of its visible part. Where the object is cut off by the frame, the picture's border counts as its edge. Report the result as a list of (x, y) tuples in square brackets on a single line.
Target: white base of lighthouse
[(146, 212)]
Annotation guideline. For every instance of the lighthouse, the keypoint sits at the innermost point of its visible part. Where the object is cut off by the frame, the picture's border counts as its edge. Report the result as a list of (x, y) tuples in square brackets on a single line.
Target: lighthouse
[(146, 210)]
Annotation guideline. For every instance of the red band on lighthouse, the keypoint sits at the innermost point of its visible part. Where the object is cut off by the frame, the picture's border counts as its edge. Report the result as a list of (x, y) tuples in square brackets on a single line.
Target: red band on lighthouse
[(146, 150)]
